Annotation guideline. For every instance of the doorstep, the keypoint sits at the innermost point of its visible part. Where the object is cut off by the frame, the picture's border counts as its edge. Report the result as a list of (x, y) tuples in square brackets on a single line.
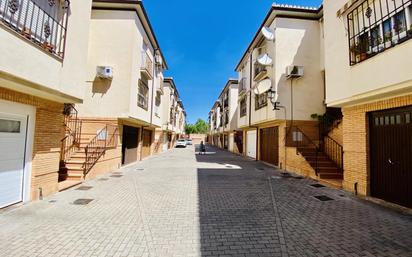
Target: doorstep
[(334, 183), (64, 185)]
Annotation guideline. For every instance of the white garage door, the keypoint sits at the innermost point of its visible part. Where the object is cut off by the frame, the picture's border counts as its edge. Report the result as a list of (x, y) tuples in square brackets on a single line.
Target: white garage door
[(231, 142), (251, 144), (12, 152)]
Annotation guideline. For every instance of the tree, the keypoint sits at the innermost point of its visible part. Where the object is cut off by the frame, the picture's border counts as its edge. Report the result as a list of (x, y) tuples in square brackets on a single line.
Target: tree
[(200, 127)]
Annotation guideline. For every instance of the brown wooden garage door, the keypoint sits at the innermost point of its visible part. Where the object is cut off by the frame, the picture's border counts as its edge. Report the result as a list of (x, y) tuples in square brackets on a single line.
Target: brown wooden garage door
[(147, 141), (269, 145), (391, 155)]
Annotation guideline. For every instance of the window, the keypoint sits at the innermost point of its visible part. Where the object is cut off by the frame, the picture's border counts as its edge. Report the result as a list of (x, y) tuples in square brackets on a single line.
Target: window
[(9, 126), (375, 25), (261, 101), (143, 95), (158, 100), (243, 107), (226, 118)]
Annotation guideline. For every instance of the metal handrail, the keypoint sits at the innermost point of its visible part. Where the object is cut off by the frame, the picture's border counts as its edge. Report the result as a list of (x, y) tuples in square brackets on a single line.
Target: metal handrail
[(73, 126), (98, 146), (333, 150), (35, 24)]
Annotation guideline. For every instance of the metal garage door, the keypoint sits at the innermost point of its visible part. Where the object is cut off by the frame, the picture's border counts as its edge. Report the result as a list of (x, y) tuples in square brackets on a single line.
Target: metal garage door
[(269, 145), (391, 155), (147, 142), (13, 134), (251, 143)]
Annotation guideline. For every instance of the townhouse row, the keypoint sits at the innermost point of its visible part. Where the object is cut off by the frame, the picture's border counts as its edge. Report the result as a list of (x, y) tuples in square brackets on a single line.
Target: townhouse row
[(82, 92), (327, 93)]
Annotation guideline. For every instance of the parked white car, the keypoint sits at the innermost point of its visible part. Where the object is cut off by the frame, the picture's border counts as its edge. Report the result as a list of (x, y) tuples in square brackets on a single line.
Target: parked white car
[(189, 142), (181, 143)]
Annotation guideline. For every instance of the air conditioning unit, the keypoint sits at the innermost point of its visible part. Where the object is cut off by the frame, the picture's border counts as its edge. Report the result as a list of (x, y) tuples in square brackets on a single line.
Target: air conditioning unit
[(105, 72), (294, 71)]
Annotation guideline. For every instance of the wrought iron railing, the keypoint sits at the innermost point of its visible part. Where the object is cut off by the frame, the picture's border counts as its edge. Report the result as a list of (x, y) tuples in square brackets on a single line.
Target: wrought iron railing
[(242, 85), (376, 25), (298, 139), (105, 139), (73, 127), (45, 28), (259, 70), (333, 150), (147, 63)]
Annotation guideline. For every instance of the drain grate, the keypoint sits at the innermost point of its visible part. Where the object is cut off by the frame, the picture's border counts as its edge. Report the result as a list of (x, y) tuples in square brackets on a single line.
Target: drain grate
[(260, 168), (139, 169), (117, 173), (103, 179), (116, 176), (53, 201), (298, 177), (82, 201), (323, 198), (84, 188), (317, 185)]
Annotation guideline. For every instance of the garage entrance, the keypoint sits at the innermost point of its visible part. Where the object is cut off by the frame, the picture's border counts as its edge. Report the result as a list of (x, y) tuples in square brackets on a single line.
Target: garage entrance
[(391, 151), (269, 145), (13, 137), (130, 141)]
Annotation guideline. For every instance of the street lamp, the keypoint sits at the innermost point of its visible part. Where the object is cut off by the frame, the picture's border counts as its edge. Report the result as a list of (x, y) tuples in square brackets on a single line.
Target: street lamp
[(273, 98)]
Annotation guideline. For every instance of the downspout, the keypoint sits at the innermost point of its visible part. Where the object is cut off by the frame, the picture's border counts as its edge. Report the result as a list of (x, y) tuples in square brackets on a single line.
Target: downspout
[(153, 84), (250, 104)]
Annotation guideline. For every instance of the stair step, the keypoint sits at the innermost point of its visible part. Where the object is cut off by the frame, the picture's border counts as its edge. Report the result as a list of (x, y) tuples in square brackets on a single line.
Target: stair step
[(332, 175)]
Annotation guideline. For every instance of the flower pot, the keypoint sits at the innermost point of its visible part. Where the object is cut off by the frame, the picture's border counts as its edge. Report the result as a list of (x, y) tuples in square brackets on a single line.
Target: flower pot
[(49, 47), (363, 56), (26, 32)]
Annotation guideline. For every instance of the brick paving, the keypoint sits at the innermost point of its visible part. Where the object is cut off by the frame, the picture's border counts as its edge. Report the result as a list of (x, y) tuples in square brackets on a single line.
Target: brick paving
[(182, 204)]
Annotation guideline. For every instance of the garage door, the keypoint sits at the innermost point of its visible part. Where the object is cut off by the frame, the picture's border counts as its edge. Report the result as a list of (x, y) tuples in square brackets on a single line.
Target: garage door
[(12, 152), (391, 151), (269, 145), (251, 144)]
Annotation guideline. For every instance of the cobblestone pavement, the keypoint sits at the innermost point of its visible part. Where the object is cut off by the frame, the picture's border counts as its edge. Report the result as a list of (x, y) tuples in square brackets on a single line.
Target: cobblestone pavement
[(182, 204)]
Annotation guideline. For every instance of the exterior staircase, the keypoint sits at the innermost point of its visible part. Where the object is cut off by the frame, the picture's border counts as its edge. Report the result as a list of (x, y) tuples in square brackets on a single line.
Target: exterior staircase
[(79, 153), (321, 163)]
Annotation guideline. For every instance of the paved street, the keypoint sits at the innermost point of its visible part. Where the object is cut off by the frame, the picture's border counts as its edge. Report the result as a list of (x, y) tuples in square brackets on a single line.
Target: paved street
[(182, 204)]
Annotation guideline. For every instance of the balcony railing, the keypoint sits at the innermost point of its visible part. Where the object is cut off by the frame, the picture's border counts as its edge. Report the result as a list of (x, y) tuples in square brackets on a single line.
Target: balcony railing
[(260, 71), (44, 28), (376, 25), (242, 86), (147, 65)]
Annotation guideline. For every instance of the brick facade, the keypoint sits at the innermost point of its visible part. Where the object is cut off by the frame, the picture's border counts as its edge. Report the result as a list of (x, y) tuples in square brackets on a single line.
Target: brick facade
[(48, 133), (356, 144)]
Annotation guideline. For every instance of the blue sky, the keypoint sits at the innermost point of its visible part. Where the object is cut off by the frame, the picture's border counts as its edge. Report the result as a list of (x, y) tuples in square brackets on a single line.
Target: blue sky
[(204, 40)]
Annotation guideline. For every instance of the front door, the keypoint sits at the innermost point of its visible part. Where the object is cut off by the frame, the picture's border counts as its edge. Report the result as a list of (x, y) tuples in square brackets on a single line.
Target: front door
[(147, 141), (13, 136), (129, 144), (269, 145), (251, 144), (391, 155)]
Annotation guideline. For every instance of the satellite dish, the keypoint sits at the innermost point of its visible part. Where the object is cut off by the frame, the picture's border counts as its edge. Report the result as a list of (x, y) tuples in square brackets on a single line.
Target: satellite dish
[(264, 59), (268, 33), (263, 86)]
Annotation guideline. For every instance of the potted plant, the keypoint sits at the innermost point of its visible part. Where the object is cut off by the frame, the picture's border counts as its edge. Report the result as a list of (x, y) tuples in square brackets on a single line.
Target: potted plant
[(48, 46), (26, 32), (410, 31)]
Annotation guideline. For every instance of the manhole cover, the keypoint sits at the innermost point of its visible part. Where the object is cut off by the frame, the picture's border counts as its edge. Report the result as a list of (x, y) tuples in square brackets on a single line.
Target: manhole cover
[(116, 176), (82, 201), (84, 188), (139, 169), (317, 185), (260, 168), (52, 201), (103, 179), (323, 198)]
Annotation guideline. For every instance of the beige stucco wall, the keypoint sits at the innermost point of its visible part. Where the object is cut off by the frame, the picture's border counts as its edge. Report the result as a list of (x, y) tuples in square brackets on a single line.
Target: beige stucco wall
[(24, 60), (121, 49), (297, 43), (385, 75)]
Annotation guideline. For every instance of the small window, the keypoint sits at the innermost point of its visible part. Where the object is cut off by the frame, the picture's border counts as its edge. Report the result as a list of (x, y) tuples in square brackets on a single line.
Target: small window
[(399, 24), (386, 120), (9, 126), (381, 121), (408, 118), (243, 107), (398, 119), (376, 121), (261, 101), (392, 120), (143, 95)]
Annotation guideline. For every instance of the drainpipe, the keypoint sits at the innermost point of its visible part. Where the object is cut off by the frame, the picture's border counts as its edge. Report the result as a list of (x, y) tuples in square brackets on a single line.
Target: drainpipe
[(250, 104), (153, 84)]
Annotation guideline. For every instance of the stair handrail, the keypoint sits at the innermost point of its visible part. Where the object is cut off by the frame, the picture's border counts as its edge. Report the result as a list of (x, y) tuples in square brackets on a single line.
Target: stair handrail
[(98, 146), (73, 125), (333, 150), (302, 141)]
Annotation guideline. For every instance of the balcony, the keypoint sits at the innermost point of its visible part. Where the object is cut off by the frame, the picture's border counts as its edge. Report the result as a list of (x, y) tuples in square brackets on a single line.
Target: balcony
[(147, 66), (242, 86), (377, 25), (260, 71), (43, 25)]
